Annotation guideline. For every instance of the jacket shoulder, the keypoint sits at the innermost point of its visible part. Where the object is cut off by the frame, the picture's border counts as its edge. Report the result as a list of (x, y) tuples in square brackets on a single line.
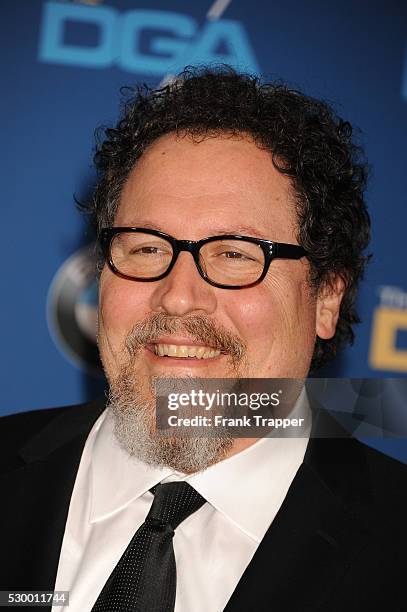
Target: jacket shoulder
[(17, 429), (387, 475)]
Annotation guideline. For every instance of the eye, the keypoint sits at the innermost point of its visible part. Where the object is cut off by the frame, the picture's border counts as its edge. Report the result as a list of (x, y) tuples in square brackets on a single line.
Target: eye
[(149, 251), (146, 250), (236, 255)]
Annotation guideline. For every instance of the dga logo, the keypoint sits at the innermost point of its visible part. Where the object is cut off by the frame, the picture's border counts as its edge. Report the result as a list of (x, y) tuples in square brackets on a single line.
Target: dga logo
[(389, 322), (147, 41), (72, 309)]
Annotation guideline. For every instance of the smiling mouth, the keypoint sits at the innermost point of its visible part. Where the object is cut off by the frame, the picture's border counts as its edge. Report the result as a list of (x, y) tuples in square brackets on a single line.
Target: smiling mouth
[(184, 351)]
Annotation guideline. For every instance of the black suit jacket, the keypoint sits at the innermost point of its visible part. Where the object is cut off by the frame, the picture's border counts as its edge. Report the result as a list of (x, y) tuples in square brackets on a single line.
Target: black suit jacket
[(337, 544)]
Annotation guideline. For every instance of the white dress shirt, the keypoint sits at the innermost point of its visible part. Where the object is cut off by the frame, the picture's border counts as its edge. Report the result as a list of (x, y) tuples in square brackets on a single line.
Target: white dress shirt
[(212, 547)]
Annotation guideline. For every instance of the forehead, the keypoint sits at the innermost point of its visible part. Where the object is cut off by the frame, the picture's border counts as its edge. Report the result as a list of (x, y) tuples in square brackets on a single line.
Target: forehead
[(219, 184)]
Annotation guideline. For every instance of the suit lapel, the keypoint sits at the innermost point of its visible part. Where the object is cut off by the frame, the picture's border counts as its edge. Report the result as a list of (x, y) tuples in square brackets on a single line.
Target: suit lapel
[(40, 490), (320, 527)]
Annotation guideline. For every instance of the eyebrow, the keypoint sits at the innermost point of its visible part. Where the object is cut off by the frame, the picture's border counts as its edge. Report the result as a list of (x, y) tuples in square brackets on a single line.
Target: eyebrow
[(240, 229)]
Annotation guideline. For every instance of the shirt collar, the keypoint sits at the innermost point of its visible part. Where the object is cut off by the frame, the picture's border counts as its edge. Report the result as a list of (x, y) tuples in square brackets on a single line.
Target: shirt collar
[(116, 477), (257, 478)]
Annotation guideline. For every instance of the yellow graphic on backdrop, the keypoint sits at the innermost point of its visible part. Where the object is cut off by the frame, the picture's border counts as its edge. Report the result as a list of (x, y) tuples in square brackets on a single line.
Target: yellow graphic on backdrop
[(384, 354)]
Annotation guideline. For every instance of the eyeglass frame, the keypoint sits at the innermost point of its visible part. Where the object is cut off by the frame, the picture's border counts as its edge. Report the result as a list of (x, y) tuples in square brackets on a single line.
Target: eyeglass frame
[(271, 249)]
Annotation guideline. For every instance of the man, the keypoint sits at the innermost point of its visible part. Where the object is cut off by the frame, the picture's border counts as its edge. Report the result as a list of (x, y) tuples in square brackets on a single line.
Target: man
[(232, 225)]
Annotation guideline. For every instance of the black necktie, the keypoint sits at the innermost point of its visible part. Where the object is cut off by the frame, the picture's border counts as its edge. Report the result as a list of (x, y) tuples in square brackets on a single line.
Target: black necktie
[(145, 578)]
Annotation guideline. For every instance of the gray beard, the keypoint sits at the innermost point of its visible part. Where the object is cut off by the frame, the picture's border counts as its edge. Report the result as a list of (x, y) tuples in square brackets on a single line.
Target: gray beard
[(132, 398), (132, 405)]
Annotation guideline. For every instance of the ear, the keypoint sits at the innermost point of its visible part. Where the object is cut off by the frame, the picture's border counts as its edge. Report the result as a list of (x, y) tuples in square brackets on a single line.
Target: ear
[(328, 304)]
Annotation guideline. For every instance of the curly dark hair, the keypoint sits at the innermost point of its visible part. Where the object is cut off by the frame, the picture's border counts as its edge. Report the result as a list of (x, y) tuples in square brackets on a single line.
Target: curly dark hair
[(309, 143)]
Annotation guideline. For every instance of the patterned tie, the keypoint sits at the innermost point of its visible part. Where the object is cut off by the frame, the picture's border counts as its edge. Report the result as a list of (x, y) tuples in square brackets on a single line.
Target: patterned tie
[(145, 578)]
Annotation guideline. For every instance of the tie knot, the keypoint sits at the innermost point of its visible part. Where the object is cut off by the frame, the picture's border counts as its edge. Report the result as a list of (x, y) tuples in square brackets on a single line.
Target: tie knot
[(173, 503)]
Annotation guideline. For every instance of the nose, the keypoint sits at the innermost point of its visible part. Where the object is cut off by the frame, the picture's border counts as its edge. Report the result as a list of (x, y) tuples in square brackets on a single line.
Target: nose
[(184, 291)]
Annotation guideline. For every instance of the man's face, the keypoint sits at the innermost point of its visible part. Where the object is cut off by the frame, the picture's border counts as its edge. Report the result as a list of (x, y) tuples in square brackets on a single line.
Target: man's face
[(192, 191)]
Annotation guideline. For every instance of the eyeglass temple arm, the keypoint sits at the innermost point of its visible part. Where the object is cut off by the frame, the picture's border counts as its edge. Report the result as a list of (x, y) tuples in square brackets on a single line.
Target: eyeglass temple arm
[(287, 251)]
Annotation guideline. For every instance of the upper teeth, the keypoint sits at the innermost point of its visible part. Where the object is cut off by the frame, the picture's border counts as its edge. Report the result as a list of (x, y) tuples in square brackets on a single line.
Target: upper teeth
[(176, 350)]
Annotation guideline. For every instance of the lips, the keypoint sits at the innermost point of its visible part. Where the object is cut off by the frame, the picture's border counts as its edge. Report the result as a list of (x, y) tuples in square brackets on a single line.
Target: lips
[(182, 348), (185, 351)]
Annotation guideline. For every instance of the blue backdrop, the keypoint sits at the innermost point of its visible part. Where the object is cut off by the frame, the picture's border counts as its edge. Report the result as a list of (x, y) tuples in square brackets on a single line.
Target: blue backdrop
[(63, 63)]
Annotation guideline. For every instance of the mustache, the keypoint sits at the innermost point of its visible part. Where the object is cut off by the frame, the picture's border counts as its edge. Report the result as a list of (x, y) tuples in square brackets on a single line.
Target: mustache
[(198, 327)]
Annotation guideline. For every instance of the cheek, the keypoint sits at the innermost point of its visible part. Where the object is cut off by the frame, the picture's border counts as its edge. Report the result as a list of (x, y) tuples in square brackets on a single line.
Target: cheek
[(290, 298), (252, 314), (276, 319), (273, 306), (120, 307)]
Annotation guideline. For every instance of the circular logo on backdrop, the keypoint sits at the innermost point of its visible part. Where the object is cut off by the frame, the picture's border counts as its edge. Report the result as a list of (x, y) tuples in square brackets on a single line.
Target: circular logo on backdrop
[(72, 309)]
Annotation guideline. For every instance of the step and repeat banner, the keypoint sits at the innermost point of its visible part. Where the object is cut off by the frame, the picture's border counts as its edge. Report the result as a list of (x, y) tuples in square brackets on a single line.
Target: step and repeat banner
[(63, 63)]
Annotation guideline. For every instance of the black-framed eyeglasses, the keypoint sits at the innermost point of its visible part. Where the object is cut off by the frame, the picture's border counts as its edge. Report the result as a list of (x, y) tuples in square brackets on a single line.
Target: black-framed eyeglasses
[(227, 261)]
